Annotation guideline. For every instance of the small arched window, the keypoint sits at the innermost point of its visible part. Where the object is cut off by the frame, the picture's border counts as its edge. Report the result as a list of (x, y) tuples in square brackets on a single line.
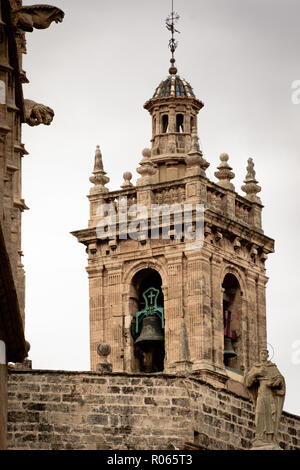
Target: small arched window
[(165, 123), (179, 122), (232, 322)]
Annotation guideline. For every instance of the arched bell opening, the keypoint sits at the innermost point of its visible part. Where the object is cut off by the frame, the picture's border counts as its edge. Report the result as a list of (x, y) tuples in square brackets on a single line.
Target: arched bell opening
[(232, 312), (165, 123), (179, 123), (147, 327)]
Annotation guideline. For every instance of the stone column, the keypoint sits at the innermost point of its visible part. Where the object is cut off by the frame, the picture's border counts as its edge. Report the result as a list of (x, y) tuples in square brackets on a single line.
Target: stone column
[(172, 119), (171, 146), (187, 122)]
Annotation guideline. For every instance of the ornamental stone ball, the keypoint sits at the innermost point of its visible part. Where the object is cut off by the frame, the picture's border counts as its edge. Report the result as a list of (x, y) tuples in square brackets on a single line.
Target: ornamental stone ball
[(103, 350), (146, 153), (127, 176)]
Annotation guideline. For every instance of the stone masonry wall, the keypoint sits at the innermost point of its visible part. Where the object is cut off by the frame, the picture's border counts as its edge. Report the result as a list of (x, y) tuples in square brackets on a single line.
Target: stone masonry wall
[(83, 410)]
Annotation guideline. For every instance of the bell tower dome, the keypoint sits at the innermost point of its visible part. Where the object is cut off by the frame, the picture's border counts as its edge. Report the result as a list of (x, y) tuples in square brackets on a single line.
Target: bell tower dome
[(174, 109)]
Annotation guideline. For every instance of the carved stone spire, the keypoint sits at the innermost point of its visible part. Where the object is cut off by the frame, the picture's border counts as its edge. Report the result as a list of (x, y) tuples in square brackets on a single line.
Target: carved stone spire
[(251, 187), (225, 174), (99, 179), (195, 162), (146, 169)]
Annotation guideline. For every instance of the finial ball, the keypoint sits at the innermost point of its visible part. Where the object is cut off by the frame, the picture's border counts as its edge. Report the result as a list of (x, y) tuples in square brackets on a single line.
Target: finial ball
[(146, 153), (103, 349), (127, 176), (224, 157), (172, 70)]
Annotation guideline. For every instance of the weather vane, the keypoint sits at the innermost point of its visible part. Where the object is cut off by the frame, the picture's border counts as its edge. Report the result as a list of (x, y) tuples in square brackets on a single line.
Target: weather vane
[(170, 24)]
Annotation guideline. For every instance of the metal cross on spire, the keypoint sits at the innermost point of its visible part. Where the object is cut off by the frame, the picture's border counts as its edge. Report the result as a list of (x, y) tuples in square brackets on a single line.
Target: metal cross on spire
[(170, 25)]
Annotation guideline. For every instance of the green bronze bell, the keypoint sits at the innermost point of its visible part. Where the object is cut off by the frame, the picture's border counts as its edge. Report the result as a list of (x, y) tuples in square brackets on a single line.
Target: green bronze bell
[(151, 330)]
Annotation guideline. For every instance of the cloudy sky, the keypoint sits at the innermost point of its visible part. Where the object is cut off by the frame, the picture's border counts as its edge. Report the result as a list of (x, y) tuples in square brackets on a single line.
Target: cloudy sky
[(96, 70)]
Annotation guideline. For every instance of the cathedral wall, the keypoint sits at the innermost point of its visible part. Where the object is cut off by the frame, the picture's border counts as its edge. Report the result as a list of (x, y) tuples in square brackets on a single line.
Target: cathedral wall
[(3, 396), (84, 410)]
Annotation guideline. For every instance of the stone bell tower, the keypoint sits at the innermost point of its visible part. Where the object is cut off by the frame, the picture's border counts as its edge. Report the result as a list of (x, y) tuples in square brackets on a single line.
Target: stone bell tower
[(162, 306)]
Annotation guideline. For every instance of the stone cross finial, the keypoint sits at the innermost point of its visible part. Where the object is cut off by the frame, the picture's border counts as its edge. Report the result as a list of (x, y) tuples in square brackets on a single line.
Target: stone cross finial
[(99, 179), (195, 162), (127, 180), (225, 174), (146, 169), (251, 187)]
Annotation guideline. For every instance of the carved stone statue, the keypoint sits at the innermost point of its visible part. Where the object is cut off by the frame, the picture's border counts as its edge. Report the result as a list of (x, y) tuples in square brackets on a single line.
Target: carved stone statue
[(266, 385), (36, 113), (37, 16)]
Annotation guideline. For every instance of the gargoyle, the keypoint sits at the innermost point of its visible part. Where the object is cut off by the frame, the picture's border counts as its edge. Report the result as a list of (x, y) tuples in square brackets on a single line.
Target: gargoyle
[(37, 16), (36, 113)]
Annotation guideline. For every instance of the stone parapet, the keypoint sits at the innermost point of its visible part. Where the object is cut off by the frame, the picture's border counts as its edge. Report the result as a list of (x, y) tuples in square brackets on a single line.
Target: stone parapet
[(82, 410)]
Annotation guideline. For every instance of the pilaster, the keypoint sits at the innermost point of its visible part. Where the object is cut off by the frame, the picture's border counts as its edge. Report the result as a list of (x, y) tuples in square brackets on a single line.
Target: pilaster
[(261, 310), (173, 310), (253, 317), (196, 308), (97, 311), (113, 315)]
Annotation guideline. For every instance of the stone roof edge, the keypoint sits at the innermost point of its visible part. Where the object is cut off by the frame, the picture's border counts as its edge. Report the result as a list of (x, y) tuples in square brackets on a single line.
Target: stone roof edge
[(137, 375), (126, 374)]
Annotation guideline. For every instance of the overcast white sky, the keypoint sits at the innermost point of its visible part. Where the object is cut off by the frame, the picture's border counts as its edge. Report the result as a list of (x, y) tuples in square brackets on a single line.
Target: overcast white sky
[(96, 70)]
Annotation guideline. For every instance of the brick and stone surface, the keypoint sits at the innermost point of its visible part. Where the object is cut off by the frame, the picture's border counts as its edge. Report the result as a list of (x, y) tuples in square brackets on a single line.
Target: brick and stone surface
[(85, 410)]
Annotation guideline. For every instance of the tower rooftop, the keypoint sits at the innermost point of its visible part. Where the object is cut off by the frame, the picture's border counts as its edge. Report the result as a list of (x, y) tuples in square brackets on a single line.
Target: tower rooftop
[(173, 85)]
